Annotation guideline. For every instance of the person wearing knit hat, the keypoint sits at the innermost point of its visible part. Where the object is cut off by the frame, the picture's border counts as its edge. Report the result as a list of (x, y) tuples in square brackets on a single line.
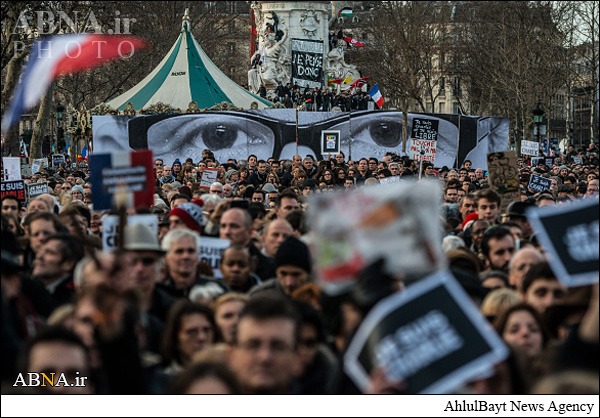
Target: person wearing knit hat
[(186, 215), (293, 267), (77, 193)]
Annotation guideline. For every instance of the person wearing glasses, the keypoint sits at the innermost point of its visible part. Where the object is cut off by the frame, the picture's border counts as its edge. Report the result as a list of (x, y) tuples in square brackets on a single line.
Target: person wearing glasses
[(264, 355)]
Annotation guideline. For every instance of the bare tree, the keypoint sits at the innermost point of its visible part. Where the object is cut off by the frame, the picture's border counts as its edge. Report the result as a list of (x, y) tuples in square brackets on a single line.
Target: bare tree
[(157, 22)]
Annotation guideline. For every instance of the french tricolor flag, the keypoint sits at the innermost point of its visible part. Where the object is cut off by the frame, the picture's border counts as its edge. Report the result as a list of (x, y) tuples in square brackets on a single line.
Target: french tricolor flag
[(128, 176), (63, 54), (376, 96)]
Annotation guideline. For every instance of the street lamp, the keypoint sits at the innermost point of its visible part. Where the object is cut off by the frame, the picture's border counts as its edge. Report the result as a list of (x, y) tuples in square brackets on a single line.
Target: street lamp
[(538, 117)]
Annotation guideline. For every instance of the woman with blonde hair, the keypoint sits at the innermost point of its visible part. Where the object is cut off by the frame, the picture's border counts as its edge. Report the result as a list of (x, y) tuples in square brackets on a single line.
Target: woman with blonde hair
[(227, 310), (497, 301)]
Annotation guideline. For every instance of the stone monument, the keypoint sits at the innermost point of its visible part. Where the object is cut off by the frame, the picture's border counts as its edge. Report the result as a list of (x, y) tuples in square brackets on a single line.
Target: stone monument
[(295, 46)]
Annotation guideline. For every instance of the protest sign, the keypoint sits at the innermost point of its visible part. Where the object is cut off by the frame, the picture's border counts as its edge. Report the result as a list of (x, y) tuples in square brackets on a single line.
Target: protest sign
[(389, 180), (38, 165), (421, 149), (209, 176), (307, 62), (110, 228), (15, 188), (539, 183), (211, 253), (431, 337), (504, 176), (530, 148), (12, 168), (424, 139), (58, 160), (569, 233), (36, 189), (425, 129), (353, 229), (133, 172), (577, 160), (25, 169), (330, 142)]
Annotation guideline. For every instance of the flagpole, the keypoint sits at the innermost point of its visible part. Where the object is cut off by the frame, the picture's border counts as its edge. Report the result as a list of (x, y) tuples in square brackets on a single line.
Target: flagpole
[(350, 135), (297, 110), (457, 142)]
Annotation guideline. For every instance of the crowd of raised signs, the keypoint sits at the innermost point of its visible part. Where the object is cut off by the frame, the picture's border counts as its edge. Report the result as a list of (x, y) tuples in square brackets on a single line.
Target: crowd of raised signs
[(214, 288)]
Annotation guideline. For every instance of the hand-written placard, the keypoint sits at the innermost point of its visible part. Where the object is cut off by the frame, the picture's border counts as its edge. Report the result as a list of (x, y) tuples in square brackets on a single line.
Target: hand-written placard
[(421, 149), (539, 183), (307, 62), (12, 168), (530, 148), (209, 176), (38, 165), (425, 129)]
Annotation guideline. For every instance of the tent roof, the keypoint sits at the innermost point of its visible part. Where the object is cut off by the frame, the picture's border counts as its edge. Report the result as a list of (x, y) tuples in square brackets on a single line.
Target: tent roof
[(187, 74)]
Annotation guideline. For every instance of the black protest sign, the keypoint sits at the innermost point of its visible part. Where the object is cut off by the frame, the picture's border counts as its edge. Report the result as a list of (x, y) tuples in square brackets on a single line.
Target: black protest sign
[(307, 62), (431, 337), (36, 189), (570, 234), (425, 129), (330, 142), (14, 188), (539, 183), (57, 160)]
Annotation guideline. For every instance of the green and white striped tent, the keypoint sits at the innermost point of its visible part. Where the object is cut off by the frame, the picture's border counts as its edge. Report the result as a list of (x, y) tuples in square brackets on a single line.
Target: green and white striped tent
[(187, 74)]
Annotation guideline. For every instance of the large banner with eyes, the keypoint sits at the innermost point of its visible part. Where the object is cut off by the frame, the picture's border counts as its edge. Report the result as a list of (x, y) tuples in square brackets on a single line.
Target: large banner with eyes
[(272, 133)]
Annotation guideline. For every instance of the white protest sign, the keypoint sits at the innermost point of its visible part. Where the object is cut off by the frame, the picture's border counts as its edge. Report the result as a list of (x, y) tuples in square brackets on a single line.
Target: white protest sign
[(211, 253), (38, 165), (209, 176), (353, 229), (430, 336), (389, 180), (12, 168), (110, 228), (421, 149), (530, 148)]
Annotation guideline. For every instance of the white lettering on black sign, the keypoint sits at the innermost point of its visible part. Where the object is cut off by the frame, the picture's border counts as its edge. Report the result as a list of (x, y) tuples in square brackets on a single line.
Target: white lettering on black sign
[(307, 62), (426, 129), (418, 344), (582, 241)]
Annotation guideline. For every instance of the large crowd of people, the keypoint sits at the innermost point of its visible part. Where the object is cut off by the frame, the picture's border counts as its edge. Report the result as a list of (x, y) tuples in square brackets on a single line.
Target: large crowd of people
[(152, 318)]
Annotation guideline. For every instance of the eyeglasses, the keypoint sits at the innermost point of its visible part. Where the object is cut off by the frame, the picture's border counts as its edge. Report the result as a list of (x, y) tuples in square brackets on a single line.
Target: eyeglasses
[(65, 188)]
